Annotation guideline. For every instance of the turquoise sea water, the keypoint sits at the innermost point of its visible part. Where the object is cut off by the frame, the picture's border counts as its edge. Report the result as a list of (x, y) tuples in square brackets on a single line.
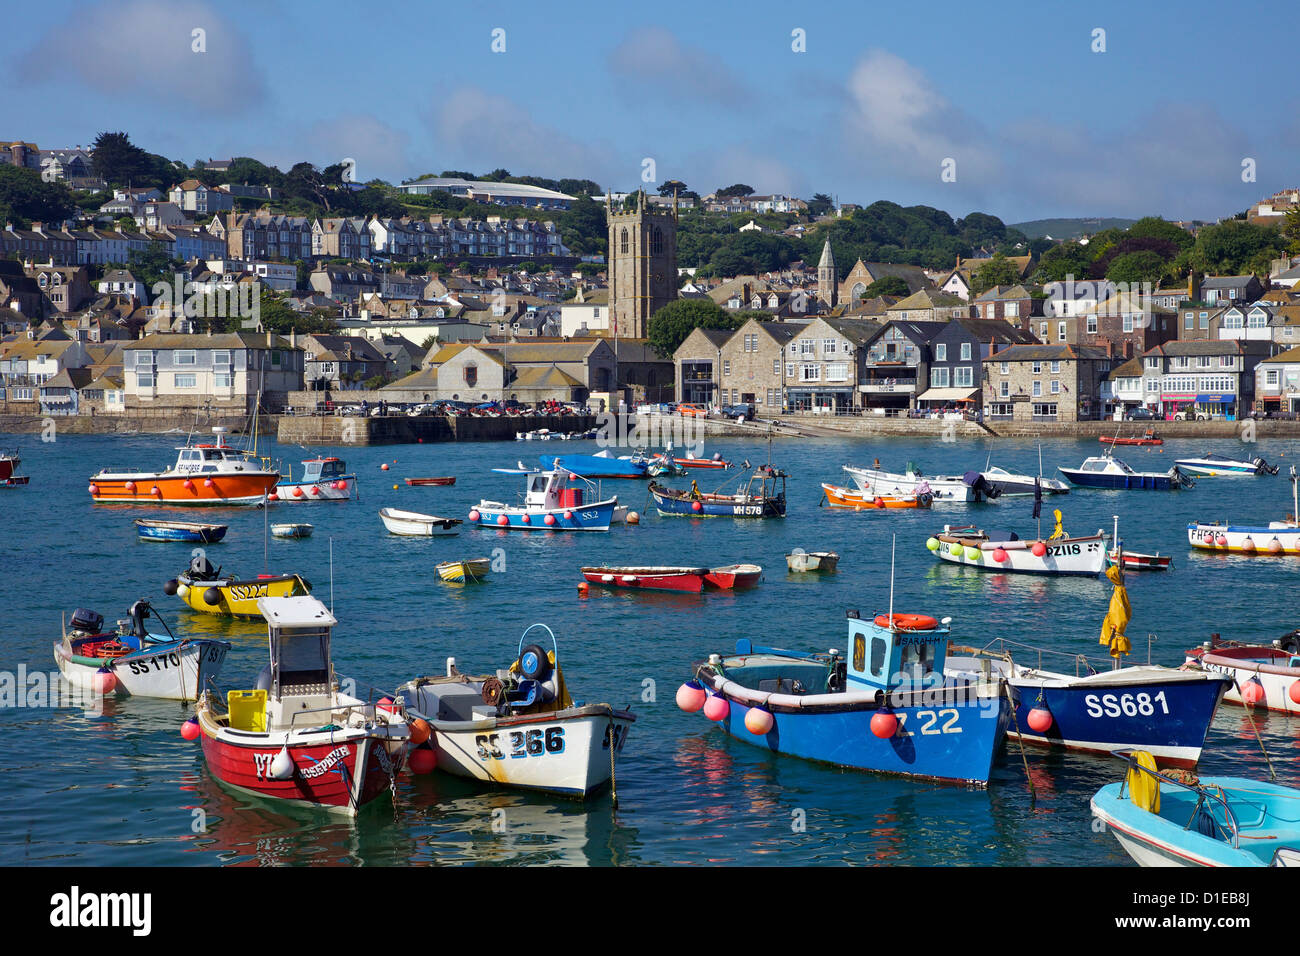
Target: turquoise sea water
[(125, 789)]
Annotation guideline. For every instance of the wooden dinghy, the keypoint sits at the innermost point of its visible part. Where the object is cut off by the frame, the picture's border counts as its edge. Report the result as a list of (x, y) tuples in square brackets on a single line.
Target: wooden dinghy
[(839, 497)]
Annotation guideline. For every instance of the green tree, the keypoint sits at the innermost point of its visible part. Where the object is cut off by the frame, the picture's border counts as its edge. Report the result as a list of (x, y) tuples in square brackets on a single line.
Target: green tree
[(119, 161), (1291, 231), (1063, 261), (1235, 246), (153, 265), (887, 285), (1137, 267), (820, 204), (670, 325), (24, 196), (997, 271), (738, 189), (1153, 227)]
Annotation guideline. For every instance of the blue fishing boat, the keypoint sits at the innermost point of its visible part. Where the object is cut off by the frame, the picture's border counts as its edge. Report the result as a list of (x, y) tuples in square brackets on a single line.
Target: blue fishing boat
[(1108, 472), (1164, 819), (550, 503), (603, 464), (149, 530), (757, 497), (887, 707)]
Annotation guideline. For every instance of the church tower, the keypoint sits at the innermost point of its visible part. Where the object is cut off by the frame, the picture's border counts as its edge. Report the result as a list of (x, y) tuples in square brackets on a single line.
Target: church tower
[(828, 289), (642, 262)]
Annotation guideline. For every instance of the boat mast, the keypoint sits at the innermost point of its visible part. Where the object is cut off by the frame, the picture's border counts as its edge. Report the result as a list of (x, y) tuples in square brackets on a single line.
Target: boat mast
[(1119, 563), (1295, 497), (892, 548)]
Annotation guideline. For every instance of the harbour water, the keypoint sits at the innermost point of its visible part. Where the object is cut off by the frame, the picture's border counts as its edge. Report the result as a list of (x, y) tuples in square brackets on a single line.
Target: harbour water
[(123, 788)]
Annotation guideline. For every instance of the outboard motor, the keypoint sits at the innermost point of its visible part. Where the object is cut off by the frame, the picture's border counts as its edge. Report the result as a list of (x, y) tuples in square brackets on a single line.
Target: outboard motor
[(87, 621), (981, 485), (201, 568), (140, 610), (1262, 467)]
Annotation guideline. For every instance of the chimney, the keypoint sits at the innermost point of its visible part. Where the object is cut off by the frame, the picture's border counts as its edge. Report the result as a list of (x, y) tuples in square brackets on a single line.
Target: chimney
[(1193, 291)]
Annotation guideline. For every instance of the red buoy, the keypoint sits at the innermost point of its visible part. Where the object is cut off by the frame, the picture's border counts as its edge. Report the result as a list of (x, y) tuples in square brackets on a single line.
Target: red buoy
[(502, 520), (696, 506), (1252, 692), (190, 729), (1039, 549), (884, 724), (549, 519), (423, 760), (1041, 720)]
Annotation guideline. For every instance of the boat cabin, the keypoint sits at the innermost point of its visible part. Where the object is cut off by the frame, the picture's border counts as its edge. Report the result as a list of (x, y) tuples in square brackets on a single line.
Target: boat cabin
[(322, 469), (550, 490), (907, 655), (300, 683), (1102, 466)]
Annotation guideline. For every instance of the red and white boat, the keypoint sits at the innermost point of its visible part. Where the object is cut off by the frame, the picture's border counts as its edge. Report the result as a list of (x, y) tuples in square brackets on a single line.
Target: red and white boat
[(9, 462), (1136, 561), (693, 462), (734, 577), (649, 578), (296, 736), (205, 474), (323, 479), (1265, 676), (422, 482)]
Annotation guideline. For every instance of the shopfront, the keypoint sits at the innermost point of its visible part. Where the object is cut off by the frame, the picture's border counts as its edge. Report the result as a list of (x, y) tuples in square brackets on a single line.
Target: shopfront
[(827, 401)]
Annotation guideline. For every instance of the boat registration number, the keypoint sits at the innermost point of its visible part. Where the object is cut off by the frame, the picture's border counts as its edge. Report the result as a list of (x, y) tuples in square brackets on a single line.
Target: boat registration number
[(1063, 550), (1125, 705), (522, 744), (161, 662), (931, 722), (248, 592)]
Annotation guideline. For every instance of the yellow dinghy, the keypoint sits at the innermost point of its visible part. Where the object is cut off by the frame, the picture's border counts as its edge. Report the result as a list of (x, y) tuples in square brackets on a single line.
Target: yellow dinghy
[(205, 589), (460, 572)]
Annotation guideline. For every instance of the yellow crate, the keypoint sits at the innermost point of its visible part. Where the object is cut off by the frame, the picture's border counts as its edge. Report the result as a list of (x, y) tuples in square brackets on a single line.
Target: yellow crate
[(247, 709)]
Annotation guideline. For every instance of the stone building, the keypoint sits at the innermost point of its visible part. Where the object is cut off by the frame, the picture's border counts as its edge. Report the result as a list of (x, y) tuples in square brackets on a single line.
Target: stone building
[(754, 368), (1045, 383), (642, 264)]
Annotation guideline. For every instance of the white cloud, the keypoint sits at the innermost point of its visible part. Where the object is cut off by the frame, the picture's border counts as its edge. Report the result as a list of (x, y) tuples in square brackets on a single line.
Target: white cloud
[(147, 46), (655, 63)]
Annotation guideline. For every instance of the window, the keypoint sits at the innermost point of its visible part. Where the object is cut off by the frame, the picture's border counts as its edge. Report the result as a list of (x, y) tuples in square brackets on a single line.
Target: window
[(837, 372), (776, 366), (1270, 377), (1038, 389), (144, 379), (939, 378), (1056, 387), (1204, 320), (1092, 324), (726, 366), (1004, 389), (1189, 320), (828, 346), (1060, 331), (963, 376), (186, 380), (1203, 361), (810, 373), (941, 352), (1056, 366), (275, 357), (1037, 367), (789, 370), (1002, 410), (1004, 369), (222, 380), (1045, 410), (1042, 331), (806, 347), (623, 243), (1128, 322), (1011, 310), (221, 357), (965, 351), (182, 357), (1227, 361)]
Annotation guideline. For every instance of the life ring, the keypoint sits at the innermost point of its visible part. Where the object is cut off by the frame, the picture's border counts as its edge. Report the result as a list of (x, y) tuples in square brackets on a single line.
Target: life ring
[(1144, 789), (908, 622)]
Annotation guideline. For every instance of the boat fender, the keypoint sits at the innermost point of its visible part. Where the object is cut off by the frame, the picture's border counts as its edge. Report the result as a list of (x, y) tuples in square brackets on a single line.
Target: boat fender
[(263, 681), (282, 767), (1144, 789), (533, 663), (169, 587), (212, 596)]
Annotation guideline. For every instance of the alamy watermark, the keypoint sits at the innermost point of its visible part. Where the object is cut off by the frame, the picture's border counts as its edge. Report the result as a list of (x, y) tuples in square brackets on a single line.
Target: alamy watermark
[(200, 300), (623, 430)]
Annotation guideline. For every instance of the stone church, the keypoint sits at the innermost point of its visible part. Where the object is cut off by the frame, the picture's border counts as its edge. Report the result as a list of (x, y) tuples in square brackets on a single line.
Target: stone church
[(642, 262)]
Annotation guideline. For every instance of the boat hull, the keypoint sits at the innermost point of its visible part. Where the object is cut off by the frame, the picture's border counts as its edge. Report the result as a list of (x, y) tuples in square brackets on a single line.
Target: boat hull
[(1019, 486), (177, 671), (717, 506), (943, 490), (690, 580), (412, 524), (1065, 556), (227, 488), (460, 572), (953, 738), (326, 490), (593, 466), (1244, 539), (173, 531), (430, 482), (237, 598), (565, 753), (596, 516), (1134, 561), (1270, 669), (1130, 441), (839, 497), (1141, 481), (702, 463), (802, 562), (1207, 468), (738, 577)]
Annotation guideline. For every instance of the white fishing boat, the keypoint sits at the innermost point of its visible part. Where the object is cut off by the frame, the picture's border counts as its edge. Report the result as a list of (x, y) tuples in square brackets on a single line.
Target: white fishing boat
[(990, 551), (519, 728), (942, 488), (414, 524), (1011, 485), (133, 662), (1264, 676), (1276, 538), (1221, 466)]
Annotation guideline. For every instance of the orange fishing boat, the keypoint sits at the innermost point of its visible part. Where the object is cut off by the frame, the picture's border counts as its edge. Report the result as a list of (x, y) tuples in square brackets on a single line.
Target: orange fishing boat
[(851, 498), (205, 474)]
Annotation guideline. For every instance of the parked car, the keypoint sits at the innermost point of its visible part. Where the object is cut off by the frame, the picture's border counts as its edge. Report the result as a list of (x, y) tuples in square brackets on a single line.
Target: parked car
[(1140, 415), (745, 411), (689, 410)]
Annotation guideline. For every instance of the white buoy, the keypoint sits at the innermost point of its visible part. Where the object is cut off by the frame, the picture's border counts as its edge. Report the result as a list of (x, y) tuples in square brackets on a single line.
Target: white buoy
[(282, 767)]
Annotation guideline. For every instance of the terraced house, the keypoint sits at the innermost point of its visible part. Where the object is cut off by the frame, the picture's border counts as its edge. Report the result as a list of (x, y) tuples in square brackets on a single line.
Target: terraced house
[(756, 365), (957, 354), (1045, 383), (1202, 379), (825, 356), (893, 366), (226, 372)]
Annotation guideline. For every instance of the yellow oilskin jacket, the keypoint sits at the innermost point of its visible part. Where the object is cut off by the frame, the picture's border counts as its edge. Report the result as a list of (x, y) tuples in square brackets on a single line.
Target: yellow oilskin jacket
[(1117, 618)]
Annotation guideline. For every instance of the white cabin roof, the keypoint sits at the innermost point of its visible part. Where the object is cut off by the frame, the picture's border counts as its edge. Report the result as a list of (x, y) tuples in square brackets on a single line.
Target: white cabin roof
[(301, 611)]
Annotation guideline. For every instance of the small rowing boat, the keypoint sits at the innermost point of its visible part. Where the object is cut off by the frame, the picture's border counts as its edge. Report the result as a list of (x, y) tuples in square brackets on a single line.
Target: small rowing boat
[(690, 580), (1137, 561), (800, 561), (734, 577), (838, 497), (291, 530), (465, 571), (150, 530), (428, 482), (690, 461), (1148, 439), (417, 525)]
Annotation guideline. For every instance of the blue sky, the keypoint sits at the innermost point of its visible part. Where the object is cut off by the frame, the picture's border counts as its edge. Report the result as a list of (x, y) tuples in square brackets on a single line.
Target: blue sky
[(1038, 124)]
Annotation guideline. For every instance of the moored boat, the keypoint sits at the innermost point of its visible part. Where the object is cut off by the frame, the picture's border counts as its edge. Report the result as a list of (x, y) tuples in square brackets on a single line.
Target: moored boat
[(686, 579), (800, 561), (149, 530), (755, 497), (1264, 676), (1146, 438), (9, 477), (550, 503), (1011, 485), (690, 461), (1276, 538), (138, 663), (1107, 472), (1165, 820), (435, 482), (206, 589), (1137, 561), (943, 488), (839, 497), (323, 479), (464, 571), (204, 474), (885, 707), (603, 464), (1060, 554), (1218, 466), (295, 736), (734, 577), (520, 727), (416, 525), (291, 530)]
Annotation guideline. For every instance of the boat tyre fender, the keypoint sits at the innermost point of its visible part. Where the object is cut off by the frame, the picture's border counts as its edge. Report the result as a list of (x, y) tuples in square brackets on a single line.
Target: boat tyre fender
[(908, 622), (533, 663), (212, 596)]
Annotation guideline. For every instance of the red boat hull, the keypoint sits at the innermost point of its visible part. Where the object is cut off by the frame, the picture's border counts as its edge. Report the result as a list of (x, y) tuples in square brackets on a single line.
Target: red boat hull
[(1131, 441), (729, 580), (701, 463), (430, 481), (8, 466), (326, 774), (680, 579)]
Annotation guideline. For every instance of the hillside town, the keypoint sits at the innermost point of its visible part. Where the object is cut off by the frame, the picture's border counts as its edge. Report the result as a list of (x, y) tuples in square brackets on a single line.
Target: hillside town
[(214, 296)]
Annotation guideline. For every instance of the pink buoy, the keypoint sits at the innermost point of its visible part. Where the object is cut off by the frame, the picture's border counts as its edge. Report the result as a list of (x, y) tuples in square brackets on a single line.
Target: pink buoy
[(208, 483), (502, 520), (187, 485), (716, 708), (1000, 555), (130, 486), (94, 490), (1221, 540), (383, 467), (386, 705), (105, 681), (1248, 546), (549, 519), (691, 696), (1294, 692), (1041, 720), (315, 489), (884, 724), (1039, 549), (1252, 692), (297, 492), (759, 722), (568, 516), (1275, 546), (190, 729), (156, 491), (696, 506), (423, 760), (474, 515), (526, 519), (273, 497)]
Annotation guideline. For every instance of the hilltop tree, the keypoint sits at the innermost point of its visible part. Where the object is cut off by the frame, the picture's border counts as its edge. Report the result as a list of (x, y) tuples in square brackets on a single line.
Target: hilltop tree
[(24, 196), (1137, 267), (997, 271), (669, 326), (739, 189), (820, 204), (887, 285), (119, 161)]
